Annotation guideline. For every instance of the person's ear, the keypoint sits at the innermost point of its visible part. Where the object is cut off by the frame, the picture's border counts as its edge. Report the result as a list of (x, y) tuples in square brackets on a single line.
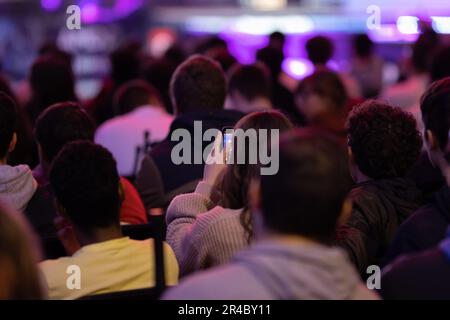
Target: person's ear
[(431, 140), (346, 211), (12, 144)]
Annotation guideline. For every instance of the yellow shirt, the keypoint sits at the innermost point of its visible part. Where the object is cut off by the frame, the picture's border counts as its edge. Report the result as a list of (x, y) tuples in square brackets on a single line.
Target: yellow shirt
[(109, 266)]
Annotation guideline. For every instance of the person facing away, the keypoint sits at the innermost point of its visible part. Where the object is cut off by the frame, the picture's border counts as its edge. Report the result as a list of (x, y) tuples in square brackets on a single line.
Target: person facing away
[(322, 98), (295, 213), (249, 88), (17, 185), (51, 81), (282, 98), (55, 127), (383, 145), (86, 184), (320, 50), (367, 67), (422, 269), (207, 227), (140, 113), (426, 227), (407, 94), (19, 276), (198, 90)]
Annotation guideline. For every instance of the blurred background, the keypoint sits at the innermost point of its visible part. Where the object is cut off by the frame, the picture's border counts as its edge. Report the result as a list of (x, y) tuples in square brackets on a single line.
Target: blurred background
[(175, 28)]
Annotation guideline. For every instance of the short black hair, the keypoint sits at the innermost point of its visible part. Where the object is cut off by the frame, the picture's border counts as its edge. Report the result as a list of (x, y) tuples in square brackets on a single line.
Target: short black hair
[(8, 119), (60, 124), (384, 140), (198, 84), (435, 107), (424, 49), (362, 45), (251, 81), (319, 49), (272, 58), (277, 35), (306, 196), (133, 94), (326, 84), (86, 184), (440, 64)]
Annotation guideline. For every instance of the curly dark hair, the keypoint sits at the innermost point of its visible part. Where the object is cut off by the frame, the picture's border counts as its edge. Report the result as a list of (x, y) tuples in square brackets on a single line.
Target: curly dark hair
[(86, 183), (384, 140)]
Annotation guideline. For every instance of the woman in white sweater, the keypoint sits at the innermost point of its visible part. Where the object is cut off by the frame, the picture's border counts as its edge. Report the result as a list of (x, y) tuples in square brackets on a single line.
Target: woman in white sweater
[(205, 228)]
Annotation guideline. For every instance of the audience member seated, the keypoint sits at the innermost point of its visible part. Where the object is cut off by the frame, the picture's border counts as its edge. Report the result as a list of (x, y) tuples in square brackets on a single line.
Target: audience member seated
[(295, 214), (383, 144), (140, 113), (17, 185), (282, 98), (19, 277), (249, 89), (86, 184), (322, 98), (125, 66), (367, 67), (421, 275), (406, 94), (51, 81), (320, 50), (56, 126), (427, 226), (198, 90), (158, 74), (23, 152), (205, 228)]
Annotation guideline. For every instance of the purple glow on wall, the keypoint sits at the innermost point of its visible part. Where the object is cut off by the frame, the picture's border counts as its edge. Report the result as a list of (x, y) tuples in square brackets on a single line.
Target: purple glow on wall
[(51, 5), (90, 13), (93, 12), (297, 68)]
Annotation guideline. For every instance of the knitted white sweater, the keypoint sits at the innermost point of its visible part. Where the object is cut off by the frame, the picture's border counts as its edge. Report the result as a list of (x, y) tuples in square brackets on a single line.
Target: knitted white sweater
[(201, 233)]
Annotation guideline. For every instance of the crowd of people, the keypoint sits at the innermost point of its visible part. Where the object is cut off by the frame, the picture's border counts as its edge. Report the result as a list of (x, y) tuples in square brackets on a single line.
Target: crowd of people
[(363, 176)]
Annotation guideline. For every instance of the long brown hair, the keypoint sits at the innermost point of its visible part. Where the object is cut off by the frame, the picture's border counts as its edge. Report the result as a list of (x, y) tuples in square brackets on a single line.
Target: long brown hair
[(18, 256), (237, 177)]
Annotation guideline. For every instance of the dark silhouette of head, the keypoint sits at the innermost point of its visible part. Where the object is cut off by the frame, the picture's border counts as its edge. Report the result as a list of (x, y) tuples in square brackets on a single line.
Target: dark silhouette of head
[(51, 81), (306, 197), (384, 140), (319, 49), (272, 58), (60, 124), (134, 94), (8, 120), (362, 45), (198, 84), (86, 185)]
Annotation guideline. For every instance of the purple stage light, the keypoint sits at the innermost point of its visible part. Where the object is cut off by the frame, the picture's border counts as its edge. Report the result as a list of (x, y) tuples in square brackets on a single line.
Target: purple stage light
[(90, 13), (51, 5)]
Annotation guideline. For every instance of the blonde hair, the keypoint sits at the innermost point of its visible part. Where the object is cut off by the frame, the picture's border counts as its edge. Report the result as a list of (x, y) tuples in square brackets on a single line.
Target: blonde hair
[(19, 251)]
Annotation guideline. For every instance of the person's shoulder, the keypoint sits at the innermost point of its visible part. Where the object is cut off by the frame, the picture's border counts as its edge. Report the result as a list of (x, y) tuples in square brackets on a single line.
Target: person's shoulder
[(109, 127), (220, 218), (220, 283), (56, 271), (412, 265)]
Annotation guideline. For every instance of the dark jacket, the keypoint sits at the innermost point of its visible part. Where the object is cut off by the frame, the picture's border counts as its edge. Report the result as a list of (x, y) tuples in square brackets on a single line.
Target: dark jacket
[(379, 207), (424, 229), (418, 276), (159, 179)]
